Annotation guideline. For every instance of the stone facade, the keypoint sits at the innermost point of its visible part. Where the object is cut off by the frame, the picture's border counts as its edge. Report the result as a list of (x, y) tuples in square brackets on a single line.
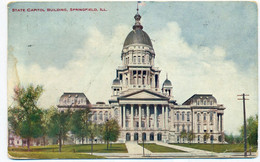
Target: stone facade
[(143, 110)]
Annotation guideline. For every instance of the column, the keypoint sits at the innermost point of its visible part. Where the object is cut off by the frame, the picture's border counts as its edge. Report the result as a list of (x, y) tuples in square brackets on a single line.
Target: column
[(155, 116), (136, 77), (139, 113), (221, 124), (132, 117), (163, 116), (166, 122), (147, 116), (123, 116)]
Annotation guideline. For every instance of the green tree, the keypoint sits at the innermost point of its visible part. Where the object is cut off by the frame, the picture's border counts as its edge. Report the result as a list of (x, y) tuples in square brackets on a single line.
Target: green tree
[(252, 130), (229, 138), (94, 131), (111, 131), (190, 136), (59, 125), (25, 118), (79, 123), (183, 134), (206, 136)]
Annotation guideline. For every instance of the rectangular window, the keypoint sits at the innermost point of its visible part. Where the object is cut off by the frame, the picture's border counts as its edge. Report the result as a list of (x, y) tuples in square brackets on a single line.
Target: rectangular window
[(182, 116), (139, 59), (178, 117), (198, 138), (188, 128), (198, 128), (178, 128), (205, 116), (142, 59), (188, 116)]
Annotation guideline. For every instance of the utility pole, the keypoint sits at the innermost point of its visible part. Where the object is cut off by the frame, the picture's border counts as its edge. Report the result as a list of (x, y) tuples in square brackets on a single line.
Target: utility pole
[(244, 109)]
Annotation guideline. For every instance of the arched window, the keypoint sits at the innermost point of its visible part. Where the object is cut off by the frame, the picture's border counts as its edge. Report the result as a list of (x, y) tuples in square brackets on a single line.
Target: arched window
[(178, 116), (205, 102), (139, 59), (211, 116), (100, 115), (188, 116), (211, 102), (95, 116), (205, 117), (178, 127), (142, 59), (134, 59), (106, 116), (198, 116), (182, 116)]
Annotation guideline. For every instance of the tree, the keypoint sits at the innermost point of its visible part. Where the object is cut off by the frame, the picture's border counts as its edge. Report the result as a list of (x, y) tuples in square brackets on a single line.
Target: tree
[(183, 134), (79, 123), (111, 131), (59, 125), (190, 136), (206, 136), (93, 129), (25, 117), (252, 130)]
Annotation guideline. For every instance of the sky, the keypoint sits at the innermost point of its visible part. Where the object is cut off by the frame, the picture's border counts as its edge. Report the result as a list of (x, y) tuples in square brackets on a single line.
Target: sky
[(205, 47)]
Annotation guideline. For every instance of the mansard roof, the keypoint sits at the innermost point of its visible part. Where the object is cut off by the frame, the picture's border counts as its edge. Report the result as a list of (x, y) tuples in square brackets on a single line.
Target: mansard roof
[(199, 96)]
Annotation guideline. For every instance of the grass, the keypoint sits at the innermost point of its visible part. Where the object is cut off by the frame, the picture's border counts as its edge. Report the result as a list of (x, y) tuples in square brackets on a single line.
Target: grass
[(52, 151), (157, 148), (52, 155), (219, 148)]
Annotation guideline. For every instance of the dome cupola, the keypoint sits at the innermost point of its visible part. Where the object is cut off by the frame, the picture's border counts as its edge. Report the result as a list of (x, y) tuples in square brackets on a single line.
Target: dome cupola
[(137, 35)]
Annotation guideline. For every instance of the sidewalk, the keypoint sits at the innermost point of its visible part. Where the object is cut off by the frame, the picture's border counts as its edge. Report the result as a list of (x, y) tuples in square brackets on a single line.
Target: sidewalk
[(135, 149), (192, 151)]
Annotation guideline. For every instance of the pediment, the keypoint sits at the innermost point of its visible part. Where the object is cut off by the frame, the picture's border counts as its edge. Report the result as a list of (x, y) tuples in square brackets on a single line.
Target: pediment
[(144, 94)]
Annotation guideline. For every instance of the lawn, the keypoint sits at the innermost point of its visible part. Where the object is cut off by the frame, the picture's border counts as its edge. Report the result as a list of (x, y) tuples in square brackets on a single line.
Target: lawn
[(219, 147), (157, 148), (52, 151), (51, 155)]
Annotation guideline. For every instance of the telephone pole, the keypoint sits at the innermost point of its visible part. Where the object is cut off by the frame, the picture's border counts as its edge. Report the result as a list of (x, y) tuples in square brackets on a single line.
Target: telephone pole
[(244, 109)]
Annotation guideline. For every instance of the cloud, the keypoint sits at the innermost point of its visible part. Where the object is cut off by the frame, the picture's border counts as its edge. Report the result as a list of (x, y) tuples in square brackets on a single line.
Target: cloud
[(192, 69), (195, 69)]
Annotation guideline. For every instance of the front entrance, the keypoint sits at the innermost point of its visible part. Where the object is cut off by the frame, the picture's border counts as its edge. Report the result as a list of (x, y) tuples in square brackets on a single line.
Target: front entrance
[(128, 137), (136, 136), (159, 137), (144, 136), (151, 137)]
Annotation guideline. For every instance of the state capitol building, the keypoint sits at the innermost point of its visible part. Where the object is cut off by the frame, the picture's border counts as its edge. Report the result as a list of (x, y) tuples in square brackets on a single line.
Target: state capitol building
[(143, 108)]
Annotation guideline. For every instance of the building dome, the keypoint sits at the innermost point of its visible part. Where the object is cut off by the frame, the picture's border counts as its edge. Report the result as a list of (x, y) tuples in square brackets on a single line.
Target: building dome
[(167, 83), (137, 35), (116, 82)]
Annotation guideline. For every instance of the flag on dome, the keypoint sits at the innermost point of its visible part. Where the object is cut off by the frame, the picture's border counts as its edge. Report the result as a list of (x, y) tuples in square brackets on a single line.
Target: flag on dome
[(141, 3)]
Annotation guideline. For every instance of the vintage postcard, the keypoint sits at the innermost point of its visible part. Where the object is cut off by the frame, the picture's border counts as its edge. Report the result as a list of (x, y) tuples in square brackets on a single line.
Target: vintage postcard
[(129, 80)]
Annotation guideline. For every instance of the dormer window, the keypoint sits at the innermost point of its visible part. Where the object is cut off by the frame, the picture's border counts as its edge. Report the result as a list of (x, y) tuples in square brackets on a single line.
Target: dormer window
[(198, 102)]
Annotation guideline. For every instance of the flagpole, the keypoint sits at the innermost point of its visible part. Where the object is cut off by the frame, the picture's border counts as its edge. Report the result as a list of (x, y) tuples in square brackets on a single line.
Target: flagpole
[(137, 6)]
